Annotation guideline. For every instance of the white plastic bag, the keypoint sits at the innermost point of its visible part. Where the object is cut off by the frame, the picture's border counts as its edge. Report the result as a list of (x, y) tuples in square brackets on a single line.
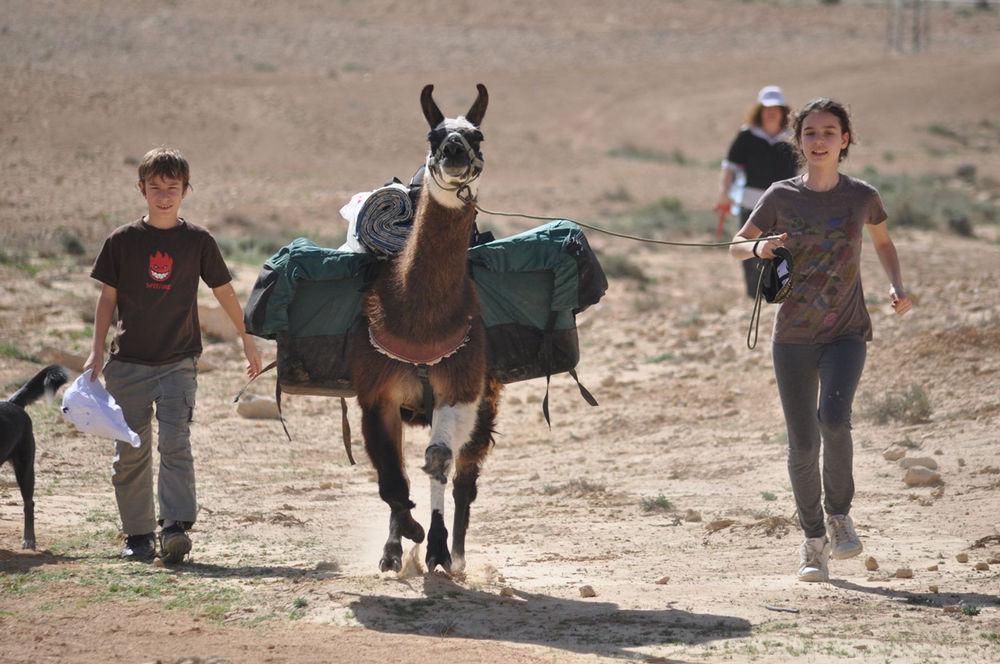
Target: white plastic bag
[(350, 214), (88, 406)]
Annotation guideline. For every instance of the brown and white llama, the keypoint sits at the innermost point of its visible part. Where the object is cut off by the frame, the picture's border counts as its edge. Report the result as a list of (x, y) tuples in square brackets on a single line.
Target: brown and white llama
[(423, 327)]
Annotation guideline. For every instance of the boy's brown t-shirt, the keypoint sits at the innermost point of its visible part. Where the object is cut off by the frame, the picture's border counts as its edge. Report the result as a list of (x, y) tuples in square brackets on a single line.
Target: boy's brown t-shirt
[(825, 238), (156, 272)]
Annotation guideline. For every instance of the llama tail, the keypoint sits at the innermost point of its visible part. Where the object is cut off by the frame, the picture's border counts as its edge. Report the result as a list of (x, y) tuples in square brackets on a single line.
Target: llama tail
[(46, 381)]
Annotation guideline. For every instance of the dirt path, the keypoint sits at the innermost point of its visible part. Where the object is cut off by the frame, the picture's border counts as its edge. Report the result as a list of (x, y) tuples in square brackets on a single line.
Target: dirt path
[(671, 500)]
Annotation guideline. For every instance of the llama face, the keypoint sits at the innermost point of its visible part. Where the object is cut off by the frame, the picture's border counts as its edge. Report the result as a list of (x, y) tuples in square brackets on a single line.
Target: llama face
[(455, 153), (455, 148)]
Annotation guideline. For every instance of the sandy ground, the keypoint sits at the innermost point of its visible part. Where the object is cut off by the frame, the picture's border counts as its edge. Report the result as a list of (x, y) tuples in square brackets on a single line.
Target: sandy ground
[(284, 112)]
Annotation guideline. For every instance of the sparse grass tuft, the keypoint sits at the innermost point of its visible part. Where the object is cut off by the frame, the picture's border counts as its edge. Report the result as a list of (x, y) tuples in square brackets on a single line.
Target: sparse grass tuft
[(300, 603), (910, 406), (971, 609), (659, 504), (15, 353), (617, 266), (767, 495)]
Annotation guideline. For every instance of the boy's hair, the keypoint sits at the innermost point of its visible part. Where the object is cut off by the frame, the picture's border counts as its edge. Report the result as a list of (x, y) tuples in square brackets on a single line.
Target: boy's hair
[(167, 163), (754, 115), (825, 104)]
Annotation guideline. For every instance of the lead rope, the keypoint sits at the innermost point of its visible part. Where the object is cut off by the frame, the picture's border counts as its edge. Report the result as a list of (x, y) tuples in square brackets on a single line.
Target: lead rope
[(755, 315)]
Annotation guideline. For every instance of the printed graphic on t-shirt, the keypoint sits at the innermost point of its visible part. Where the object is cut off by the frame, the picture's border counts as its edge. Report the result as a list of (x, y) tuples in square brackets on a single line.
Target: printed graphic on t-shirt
[(828, 274), (161, 265)]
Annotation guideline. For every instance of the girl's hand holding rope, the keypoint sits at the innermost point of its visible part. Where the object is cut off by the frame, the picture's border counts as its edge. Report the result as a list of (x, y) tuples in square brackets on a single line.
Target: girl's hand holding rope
[(764, 247)]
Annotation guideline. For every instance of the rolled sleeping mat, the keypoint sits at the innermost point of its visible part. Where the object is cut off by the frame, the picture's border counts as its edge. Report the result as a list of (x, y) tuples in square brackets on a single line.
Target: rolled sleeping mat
[(385, 220)]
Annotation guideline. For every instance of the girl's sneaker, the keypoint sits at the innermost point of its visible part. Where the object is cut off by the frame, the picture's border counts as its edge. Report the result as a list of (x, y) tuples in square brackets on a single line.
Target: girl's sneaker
[(814, 555), (844, 542)]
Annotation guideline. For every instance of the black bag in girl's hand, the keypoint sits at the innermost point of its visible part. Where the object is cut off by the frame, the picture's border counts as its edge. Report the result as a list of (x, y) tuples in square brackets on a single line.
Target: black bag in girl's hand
[(776, 281)]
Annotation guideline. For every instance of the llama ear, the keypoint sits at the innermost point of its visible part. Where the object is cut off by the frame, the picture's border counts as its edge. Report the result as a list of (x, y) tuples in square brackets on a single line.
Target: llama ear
[(478, 110), (431, 110)]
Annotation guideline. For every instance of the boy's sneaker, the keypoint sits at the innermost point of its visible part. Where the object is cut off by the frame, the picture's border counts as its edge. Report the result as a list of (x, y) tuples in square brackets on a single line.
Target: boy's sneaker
[(844, 542), (174, 544), (813, 557), (140, 548)]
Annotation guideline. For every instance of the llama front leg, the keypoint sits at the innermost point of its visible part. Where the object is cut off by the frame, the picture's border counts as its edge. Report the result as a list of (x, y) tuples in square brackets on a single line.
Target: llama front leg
[(383, 435), (467, 465), (451, 428)]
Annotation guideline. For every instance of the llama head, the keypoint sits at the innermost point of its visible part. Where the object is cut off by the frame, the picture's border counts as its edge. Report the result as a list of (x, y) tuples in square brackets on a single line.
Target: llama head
[(455, 158)]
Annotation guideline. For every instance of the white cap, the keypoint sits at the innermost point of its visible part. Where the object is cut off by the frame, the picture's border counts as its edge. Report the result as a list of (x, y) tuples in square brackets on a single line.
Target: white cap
[(771, 95)]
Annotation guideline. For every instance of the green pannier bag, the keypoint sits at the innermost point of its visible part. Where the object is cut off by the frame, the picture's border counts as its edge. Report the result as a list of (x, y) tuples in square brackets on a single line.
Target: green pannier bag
[(531, 286)]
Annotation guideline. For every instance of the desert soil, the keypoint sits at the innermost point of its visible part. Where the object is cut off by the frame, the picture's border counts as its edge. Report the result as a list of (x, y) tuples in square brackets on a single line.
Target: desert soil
[(670, 500)]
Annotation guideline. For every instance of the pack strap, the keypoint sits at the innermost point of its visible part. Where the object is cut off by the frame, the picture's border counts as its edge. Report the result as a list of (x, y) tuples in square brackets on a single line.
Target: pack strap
[(346, 429), (264, 370), (428, 396)]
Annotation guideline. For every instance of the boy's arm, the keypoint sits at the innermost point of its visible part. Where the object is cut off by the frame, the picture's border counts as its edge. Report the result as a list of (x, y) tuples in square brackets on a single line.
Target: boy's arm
[(231, 305), (106, 304)]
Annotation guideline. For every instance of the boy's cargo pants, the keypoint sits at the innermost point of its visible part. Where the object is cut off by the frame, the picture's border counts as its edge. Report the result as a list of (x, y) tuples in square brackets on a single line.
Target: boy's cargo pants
[(171, 389)]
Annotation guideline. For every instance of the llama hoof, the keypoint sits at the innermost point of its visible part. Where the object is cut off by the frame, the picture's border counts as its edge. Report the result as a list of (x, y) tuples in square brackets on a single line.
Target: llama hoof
[(411, 530), (442, 558), (392, 558), (437, 462), (28, 543), (457, 566)]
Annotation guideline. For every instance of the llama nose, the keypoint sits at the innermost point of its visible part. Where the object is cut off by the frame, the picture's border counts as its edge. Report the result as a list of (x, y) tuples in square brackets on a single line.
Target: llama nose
[(452, 149)]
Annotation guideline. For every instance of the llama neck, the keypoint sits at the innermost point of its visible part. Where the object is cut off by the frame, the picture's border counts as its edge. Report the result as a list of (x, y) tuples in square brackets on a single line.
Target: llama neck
[(430, 286)]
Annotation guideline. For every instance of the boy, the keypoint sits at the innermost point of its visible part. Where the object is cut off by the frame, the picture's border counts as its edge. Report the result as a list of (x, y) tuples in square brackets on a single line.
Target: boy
[(150, 270)]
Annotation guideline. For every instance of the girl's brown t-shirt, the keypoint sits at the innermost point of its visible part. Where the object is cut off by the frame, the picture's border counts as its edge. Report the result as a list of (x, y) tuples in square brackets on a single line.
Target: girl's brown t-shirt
[(156, 273), (824, 230)]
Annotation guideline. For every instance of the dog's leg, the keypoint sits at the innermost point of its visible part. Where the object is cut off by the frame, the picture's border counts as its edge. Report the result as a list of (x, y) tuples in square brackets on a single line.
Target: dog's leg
[(383, 433), (470, 459), (23, 460), (451, 428)]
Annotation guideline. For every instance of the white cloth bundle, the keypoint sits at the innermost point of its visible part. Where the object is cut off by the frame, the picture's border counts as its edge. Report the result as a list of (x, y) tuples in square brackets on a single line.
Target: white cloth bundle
[(88, 406)]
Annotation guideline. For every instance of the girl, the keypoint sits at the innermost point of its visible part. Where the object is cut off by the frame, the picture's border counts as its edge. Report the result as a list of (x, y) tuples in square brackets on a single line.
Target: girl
[(821, 329), (762, 151)]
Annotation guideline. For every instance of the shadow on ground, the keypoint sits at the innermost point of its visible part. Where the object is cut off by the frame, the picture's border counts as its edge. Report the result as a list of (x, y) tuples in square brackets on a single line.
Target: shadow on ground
[(580, 626), (12, 562), (922, 598)]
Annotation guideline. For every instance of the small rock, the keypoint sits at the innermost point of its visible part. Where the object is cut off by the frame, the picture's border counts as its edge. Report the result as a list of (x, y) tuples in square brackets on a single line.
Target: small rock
[(912, 462), (894, 453), (938, 452), (608, 381), (871, 564), (719, 524), (214, 322), (904, 573), (920, 476), (938, 492), (158, 562), (692, 516), (932, 568), (933, 588), (663, 580), (995, 560), (961, 463), (952, 608), (506, 591), (253, 407), (71, 361), (982, 567), (962, 557), (587, 591)]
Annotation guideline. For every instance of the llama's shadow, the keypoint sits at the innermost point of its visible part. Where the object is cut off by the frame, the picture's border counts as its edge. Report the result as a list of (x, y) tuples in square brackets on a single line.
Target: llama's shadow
[(21, 560), (582, 626), (931, 599), (326, 570)]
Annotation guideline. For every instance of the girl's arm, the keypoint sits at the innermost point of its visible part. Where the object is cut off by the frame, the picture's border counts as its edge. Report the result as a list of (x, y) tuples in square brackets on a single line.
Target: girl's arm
[(765, 248), (231, 305), (106, 304), (887, 255)]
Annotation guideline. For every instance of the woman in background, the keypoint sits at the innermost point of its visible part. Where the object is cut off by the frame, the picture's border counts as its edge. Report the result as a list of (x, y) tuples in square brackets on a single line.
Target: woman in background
[(762, 153)]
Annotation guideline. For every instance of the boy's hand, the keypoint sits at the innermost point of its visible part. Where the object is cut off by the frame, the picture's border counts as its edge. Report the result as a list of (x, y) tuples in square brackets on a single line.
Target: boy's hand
[(901, 302), (95, 362), (252, 355), (766, 247)]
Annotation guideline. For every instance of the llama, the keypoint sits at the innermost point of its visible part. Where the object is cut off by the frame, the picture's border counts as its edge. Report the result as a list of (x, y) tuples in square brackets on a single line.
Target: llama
[(424, 343)]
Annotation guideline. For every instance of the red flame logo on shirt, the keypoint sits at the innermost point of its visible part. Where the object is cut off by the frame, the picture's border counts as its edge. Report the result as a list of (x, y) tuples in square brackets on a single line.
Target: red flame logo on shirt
[(160, 266)]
